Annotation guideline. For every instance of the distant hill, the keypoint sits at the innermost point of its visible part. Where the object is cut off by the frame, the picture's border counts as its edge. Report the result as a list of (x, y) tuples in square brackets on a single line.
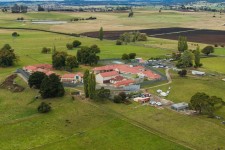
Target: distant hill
[(149, 1)]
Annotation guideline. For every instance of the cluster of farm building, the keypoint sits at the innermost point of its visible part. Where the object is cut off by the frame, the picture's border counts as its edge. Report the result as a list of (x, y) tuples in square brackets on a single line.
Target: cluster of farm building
[(117, 75), (48, 70)]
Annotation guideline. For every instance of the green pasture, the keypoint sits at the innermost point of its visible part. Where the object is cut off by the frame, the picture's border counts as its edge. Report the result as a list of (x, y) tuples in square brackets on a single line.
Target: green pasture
[(72, 124), (30, 43), (189, 130), (215, 64)]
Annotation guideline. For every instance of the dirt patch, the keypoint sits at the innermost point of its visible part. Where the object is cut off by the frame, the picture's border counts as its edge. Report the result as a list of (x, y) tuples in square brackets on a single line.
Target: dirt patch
[(10, 85), (113, 35), (193, 35), (199, 36)]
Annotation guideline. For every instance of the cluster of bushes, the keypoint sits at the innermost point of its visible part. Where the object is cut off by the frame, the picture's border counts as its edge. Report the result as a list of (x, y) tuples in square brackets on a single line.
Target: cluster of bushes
[(79, 19), (128, 56), (102, 94), (75, 44), (20, 18), (217, 45), (128, 37), (120, 98)]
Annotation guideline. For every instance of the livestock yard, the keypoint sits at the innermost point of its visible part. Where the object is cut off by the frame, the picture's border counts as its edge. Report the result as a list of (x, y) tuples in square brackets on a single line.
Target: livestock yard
[(79, 123)]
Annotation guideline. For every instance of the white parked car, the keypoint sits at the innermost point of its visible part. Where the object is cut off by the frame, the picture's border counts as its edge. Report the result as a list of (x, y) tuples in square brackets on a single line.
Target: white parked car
[(159, 104)]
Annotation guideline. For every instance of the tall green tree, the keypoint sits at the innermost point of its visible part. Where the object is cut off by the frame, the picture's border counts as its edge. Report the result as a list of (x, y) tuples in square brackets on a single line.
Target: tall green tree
[(71, 62), (197, 57), (35, 79), (203, 103), (125, 57), (186, 59), (85, 80), (182, 44), (207, 50), (59, 60), (7, 56), (88, 55), (101, 34), (51, 87), (91, 85)]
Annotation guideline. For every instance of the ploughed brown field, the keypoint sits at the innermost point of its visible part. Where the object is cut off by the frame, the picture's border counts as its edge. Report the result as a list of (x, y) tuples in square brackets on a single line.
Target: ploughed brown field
[(193, 35)]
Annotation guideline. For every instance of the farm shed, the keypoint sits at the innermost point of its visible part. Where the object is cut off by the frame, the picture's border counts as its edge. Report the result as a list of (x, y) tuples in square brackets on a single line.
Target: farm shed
[(179, 106)]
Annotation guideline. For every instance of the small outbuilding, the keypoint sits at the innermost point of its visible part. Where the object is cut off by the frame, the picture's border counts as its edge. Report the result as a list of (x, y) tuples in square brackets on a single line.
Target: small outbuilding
[(180, 106), (200, 73)]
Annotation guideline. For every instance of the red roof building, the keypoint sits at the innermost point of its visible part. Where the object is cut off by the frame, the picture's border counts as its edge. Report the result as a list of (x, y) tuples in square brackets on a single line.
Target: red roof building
[(116, 79), (72, 77), (150, 75), (124, 83)]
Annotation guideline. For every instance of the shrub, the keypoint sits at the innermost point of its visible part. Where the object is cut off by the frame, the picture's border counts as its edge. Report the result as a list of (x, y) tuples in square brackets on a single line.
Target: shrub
[(132, 55), (102, 93), (142, 37), (125, 57), (123, 95), (222, 45), (182, 73), (216, 45), (45, 50), (15, 34), (119, 42), (117, 99), (207, 50), (69, 46), (44, 108), (76, 43)]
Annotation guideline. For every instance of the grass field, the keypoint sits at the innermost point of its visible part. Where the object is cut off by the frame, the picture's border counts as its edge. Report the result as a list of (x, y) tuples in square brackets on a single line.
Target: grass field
[(108, 125), (190, 130), (22, 127), (30, 44), (143, 19), (215, 64)]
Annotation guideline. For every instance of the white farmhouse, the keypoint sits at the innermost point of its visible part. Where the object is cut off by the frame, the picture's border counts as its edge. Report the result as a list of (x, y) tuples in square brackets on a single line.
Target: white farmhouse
[(105, 77)]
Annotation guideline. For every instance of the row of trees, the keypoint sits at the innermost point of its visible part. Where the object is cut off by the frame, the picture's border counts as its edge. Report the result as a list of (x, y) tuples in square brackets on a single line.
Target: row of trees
[(205, 104), (189, 58), (7, 56), (90, 88), (89, 84), (88, 55), (128, 37), (61, 60), (50, 86), (186, 58)]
